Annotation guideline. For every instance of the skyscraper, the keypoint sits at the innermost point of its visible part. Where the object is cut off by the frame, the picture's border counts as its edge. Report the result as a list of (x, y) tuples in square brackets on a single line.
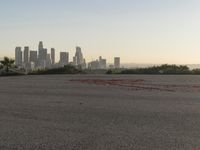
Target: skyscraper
[(40, 51), (40, 46), (42, 56), (79, 56), (52, 56), (75, 61), (64, 58), (26, 55), (18, 56), (48, 61), (33, 56), (117, 62), (102, 63)]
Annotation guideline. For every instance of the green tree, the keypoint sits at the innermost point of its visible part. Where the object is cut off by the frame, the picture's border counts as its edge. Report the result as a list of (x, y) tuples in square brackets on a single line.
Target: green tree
[(7, 63), (109, 71)]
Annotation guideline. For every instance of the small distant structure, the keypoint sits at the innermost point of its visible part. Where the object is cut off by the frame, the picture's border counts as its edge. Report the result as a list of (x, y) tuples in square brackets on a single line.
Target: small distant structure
[(117, 62), (78, 59), (64, 58), (97, 64), (18, 56), (52, 56)]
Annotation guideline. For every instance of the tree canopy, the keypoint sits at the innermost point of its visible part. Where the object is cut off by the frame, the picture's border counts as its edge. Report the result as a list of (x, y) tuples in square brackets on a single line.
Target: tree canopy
[(7, 63)]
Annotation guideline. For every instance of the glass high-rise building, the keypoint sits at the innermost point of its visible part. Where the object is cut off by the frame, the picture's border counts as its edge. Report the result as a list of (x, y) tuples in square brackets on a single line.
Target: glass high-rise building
[(64, 58), (42, 55), (26, 55), (79, 56), (117, 62), (18, 56), (33, 57), (52, 56)]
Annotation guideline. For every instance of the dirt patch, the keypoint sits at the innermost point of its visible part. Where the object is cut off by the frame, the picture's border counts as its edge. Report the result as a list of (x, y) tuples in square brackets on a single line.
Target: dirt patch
[(140, 84)]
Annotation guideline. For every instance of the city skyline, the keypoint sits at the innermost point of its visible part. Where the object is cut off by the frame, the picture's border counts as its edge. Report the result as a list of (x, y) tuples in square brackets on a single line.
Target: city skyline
[(146, 31), (42, 58)]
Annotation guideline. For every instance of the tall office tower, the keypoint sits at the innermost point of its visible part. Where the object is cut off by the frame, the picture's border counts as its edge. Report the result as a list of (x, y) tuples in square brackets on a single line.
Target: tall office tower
[(33, 57), (26, 55), (40, 53), (40, 46), (64, 58), (48, 61), (52, 56), (117, 62), (75, 61), (84, 65), (102, 63), (79, 56), (42, 56), (18, 56)]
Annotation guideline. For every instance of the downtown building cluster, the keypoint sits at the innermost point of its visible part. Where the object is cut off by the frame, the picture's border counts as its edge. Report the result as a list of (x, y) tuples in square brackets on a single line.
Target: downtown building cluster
[(30, 60)]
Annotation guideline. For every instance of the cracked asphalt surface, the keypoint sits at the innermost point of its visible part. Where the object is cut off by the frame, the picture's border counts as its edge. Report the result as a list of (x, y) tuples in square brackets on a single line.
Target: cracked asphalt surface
[(53, 113)]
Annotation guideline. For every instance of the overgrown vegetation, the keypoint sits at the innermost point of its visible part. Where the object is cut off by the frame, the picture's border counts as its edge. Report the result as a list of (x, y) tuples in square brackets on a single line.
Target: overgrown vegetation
[(7, 63), (68, 69), (196, 71), (163, 69), (6, 66)]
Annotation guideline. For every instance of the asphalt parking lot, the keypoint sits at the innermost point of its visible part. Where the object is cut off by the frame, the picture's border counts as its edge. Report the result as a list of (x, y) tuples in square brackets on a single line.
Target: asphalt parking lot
[(100, 112)]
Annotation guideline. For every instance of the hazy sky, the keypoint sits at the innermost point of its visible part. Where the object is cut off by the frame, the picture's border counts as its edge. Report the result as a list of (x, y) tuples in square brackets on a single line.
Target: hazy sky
[(140, 31)]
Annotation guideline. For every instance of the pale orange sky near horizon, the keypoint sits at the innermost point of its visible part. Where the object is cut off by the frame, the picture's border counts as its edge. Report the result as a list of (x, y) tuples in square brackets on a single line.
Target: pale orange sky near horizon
[(146, 31)]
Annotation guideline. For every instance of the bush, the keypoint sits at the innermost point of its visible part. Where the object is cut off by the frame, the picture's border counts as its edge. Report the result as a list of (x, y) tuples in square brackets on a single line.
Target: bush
[(163, 69), (196, 71), (68, 69), (109, 71)]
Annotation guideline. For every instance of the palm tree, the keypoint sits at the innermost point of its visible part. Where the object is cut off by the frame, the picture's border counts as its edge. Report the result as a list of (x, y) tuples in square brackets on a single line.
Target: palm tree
[(7, 63)]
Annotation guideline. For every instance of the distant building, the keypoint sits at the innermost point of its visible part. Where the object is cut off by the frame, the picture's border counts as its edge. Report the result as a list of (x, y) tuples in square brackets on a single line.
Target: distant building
[(75, 61), (26, 55), (42, 56), (32, 65), (102, 63), (40, 46), (93, 65), (117, 62), (40, 51), (64, 58), (78, 59), (97, 64), (18, 57), (33, 59), (79, 56), (84, 65), (33, 56), (52, 56), (48, 61)]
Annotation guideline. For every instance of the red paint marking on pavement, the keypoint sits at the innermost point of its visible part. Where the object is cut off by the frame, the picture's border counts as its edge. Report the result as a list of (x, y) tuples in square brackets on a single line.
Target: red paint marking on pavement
[(139, 84)]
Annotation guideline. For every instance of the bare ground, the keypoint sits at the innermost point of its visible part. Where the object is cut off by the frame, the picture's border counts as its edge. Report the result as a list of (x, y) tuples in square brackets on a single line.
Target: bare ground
[(88, 112)]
